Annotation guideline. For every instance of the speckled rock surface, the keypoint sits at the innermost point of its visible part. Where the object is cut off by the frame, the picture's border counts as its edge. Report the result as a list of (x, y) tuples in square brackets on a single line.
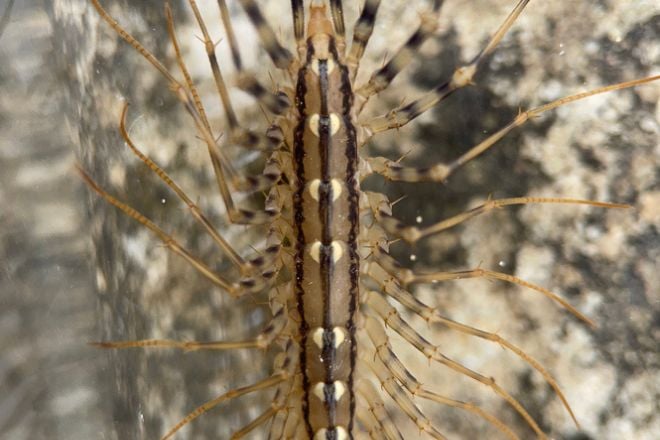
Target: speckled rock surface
[(603, 261)]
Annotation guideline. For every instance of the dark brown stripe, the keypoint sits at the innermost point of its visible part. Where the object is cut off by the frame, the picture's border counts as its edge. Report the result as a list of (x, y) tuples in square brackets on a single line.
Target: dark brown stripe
[(299, 219)]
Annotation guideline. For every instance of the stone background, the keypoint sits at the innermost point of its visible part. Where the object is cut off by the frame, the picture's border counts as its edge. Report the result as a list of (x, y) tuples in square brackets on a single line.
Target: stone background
[(62, 78)]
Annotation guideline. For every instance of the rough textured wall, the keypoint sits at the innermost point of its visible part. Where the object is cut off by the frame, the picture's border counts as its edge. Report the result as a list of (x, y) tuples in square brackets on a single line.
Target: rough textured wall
[(62, 85)]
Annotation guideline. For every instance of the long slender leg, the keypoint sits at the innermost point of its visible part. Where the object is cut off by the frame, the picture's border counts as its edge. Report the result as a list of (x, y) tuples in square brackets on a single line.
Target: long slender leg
[(281, 57), (232, 394), (393, 320), (384, 351), (366, 390), (275, 103), (263, 418), (219, 161), (407, 277), (361, 34), (298, 11), (283, 373), (247, 284), (461, 77), (384, 76), (433, 353), (270, 332), (337, 10), (412, 234), (167, 239), (191, 102), (194, 209), (392, 170), (399, 394)]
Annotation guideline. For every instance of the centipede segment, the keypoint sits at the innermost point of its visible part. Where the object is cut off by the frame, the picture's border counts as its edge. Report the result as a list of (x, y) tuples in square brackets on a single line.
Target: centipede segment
[(334, 290)]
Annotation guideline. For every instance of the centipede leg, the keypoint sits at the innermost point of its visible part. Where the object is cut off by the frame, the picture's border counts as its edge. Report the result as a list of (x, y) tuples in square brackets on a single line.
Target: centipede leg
[(283, 373), (337, 10), (361, 35), (377, 408), (388, 380), (398, 370), (461, 77), (392, 319), (392, 170), (281, 57), (382, 78), (412, 234), (407, 277), (276, 103), (433, 353)]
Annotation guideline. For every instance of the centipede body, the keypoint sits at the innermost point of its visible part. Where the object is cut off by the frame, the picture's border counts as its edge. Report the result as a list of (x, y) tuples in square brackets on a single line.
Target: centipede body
[(197, 337)]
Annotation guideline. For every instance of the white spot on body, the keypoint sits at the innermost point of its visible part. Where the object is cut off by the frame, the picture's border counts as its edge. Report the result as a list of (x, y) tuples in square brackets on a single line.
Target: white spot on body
[(315, 120), (338, 332), (315, 251), (329, 63), (340, 433)]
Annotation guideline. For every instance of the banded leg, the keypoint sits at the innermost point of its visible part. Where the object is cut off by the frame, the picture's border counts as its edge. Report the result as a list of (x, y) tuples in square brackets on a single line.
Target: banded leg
[(337, 10), (384, 76), (264, 340), (192, 103), (392, 319), (461, 77), (247, 284), (276, 103), (298, 11), (194, 209), (392, 170), (399, 394), (361, 34), (169, 241), (281, 57), (376, 406), (433, 353), (384, 351), (260, 420)]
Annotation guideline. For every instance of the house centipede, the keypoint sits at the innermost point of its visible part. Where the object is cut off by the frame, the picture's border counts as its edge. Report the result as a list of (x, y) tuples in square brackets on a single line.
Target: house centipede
[(386, 265)]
